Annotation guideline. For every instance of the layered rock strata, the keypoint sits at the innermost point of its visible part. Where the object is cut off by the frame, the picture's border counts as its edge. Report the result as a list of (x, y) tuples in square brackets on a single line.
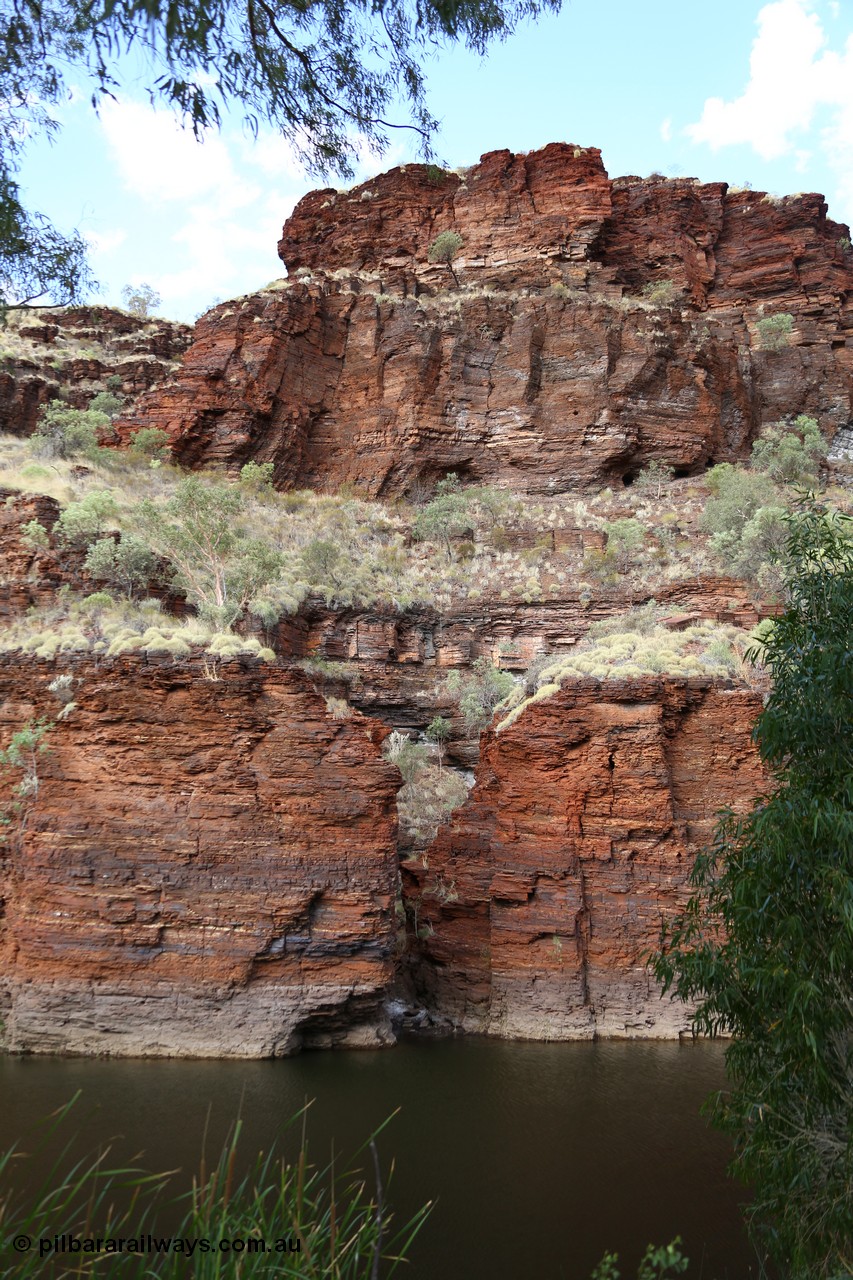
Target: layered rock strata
[(27, 576), (398, 664), (208, 867), (541, 900), (544, 370), (74, 352)]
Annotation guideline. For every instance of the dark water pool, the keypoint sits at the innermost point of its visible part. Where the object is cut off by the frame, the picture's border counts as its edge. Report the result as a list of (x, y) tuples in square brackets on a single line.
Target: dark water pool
[(540, 1157)]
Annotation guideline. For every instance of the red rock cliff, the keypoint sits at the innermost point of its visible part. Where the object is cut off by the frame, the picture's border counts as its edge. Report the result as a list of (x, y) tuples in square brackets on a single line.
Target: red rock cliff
[(74, 352), (209, 867), (553, 216), (542, 898), (544, 369)]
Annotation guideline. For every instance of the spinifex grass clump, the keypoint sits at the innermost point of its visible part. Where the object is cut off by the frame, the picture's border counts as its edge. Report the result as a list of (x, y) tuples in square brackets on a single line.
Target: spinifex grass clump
[(634, 644), (279, 1218)]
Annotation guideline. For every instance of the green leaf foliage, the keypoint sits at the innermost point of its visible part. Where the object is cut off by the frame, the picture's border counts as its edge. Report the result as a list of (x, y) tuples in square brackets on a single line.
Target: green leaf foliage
[(655, 1264), (127, 564), (19, 761), (480, 692), (36, 259), (257, 477), (446, 517), (445, 247), (774, 332), (107, 402), (654, 478), (150, 442), (84, 521), (200, 531), (438, 729), (765, 944), (63, 432), (790, 454), (326, 75)]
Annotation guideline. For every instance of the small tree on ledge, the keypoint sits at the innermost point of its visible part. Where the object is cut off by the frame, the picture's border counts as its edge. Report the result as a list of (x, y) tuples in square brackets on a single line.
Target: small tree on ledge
[(141, 300), (444, 249)]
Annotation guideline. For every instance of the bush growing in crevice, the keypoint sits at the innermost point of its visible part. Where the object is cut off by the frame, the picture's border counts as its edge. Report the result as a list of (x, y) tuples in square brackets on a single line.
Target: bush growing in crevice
[(430, 792), (444, 249), (479, 693), (660, 293), (774, 332), (790, 453)]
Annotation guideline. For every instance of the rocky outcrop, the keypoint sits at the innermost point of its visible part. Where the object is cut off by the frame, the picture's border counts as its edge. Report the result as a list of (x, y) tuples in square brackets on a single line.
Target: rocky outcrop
[(521, 218), (554, 217), (209, 864), (208, 867), (544, 369), (74, 352), (539, 903), (398, 663), (27, 576)]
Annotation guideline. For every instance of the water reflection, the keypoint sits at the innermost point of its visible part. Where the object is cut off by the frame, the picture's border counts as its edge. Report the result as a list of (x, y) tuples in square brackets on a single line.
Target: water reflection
[(541, 1157)]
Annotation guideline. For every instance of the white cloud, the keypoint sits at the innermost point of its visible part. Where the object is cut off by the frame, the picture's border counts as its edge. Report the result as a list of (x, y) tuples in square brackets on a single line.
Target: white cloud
[(214, 209), (106, 241), (795, 80), (275, 156), (787, 81), (158, 160), (218, 219), (666, 129)]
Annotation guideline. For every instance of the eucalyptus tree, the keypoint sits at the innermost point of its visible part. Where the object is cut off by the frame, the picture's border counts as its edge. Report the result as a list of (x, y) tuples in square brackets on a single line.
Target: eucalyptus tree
[(765, 944), (328, 75)]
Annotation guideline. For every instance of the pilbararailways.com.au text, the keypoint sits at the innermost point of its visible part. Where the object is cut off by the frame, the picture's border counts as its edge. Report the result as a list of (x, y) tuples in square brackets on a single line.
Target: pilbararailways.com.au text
[(147, 1243)]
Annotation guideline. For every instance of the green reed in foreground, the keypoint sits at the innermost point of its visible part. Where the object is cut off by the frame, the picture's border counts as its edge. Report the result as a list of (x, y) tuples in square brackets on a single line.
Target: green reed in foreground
[(283, 1218)]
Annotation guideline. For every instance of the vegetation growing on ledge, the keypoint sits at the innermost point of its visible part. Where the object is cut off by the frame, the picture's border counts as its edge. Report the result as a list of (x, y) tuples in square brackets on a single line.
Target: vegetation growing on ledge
[(243, 554), (636, 644), (99, 624)]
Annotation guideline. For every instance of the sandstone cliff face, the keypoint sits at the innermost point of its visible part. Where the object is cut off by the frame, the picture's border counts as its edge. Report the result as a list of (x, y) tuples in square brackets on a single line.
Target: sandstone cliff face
[(543, 371), (209, 867), (541, 899), (27, 577), (401, 661), (72, 351)]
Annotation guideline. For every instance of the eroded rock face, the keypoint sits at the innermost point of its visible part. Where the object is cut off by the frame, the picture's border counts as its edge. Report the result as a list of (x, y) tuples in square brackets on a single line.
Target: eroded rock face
[(541, 899), (27, 576), (544, 370), (402, 660), (518, 216), (208, 869), (75, 352)]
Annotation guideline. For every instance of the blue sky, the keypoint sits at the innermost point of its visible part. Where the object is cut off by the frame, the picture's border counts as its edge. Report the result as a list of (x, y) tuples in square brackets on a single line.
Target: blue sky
[(741, 91)]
